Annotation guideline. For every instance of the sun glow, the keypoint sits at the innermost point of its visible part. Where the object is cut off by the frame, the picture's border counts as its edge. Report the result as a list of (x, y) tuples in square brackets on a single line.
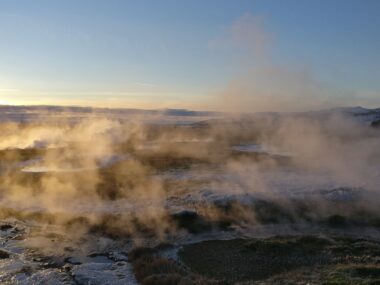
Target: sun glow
[(5, 102), (7, 96)]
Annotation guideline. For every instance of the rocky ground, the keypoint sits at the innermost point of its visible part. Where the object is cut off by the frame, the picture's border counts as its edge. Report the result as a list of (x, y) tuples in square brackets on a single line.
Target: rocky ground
[(287, 260), (35, 253), (206, 203), (31, 254)]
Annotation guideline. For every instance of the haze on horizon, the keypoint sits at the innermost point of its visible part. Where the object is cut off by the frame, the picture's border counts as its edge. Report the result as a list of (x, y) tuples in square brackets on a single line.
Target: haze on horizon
[(205, 55)]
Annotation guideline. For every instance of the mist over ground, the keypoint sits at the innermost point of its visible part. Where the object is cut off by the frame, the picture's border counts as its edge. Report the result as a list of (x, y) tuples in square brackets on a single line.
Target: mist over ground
[(99, 180)]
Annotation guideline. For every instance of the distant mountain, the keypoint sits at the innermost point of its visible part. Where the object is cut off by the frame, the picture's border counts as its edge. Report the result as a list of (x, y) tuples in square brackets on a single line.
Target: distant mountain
[(368, 117), (76, 109), (39, 113), (365, 115)]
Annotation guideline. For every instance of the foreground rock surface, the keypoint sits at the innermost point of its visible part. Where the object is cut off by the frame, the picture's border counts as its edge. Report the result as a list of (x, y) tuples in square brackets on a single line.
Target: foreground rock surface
[(286, 260)]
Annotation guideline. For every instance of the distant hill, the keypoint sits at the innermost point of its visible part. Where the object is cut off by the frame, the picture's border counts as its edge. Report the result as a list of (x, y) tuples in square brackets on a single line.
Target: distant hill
[(76, 109), (366, 116), (40, 113)]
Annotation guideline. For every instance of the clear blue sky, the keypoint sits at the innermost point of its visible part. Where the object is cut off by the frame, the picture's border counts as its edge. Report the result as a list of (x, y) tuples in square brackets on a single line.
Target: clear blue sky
[(176, 53)]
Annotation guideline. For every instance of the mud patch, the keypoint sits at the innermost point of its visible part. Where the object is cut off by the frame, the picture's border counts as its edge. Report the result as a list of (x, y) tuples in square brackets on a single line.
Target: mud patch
[(259, 259)]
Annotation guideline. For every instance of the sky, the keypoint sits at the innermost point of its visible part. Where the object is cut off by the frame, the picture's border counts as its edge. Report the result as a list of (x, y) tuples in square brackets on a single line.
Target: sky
[(258, 55)]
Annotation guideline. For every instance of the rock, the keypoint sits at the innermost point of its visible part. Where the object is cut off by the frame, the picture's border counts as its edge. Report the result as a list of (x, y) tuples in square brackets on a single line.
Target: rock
[(49, 276), (104, 274), (72, 260), (191, 221), (5, 227), (4, 254)]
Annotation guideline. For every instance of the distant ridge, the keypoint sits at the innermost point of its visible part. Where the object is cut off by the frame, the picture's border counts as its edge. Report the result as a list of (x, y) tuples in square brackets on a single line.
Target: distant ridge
[(25, 113), (79, 109)]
